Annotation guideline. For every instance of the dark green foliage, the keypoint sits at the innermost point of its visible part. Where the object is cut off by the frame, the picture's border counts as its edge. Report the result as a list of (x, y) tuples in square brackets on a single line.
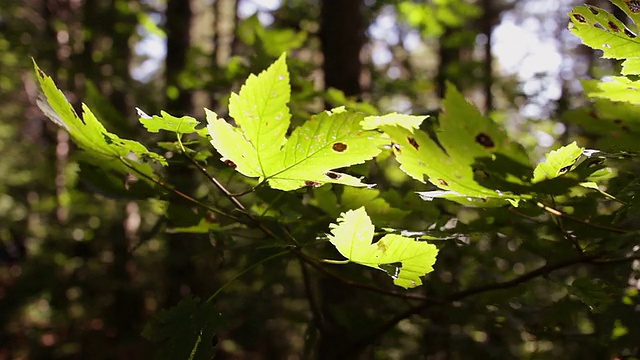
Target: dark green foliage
[(186, 331)]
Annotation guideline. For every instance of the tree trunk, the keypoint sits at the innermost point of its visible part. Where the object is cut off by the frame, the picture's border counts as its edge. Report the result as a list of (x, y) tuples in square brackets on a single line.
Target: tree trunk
[(178, 102), (342, 36)]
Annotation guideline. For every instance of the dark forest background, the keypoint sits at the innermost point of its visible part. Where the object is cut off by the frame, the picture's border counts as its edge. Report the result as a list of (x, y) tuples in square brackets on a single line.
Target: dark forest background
[(84, 264)]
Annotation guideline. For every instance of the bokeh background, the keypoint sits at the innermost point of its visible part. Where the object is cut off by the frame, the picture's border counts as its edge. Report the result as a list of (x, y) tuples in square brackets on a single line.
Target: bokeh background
[(84, 265)]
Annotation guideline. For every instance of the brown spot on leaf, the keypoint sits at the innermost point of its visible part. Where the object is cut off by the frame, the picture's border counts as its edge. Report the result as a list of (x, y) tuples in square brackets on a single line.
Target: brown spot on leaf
[(312, 183), (634, 6), (564, 169), (395, 147), (629, 33), (413, 142), (613, 26), (231, 163), (442, 182), (593, 10), (331, 175), (580, 18), (41, 73), (339, 147), (485, 140)]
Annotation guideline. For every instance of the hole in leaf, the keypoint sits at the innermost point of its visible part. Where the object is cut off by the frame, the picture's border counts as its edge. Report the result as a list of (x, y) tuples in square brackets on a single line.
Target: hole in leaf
[(580, 18), (613, 26), (339, 147), (634, 6), (231, 163), (629, 33), (442, 182), (392, 269), (413, 142), (331, 175), (598, 26), (564, 169), (485, 140), (395, 147), (312, 183), (593, 10)]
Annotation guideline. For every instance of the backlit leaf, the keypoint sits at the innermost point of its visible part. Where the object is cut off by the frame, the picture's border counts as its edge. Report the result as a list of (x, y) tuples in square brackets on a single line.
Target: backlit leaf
[(102, 147), (258, 146), (404, 259), (557, 162), (168, 122), (600, 30), (458, 160)]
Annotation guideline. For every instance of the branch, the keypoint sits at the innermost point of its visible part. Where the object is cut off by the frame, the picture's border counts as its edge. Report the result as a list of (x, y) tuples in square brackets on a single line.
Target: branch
[(559, 213), (544, 270), (318, 266), (179, 193)]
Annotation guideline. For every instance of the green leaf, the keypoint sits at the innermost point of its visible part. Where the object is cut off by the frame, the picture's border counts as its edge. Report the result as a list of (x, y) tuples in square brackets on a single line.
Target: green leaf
[(600, 30), (404, 259), (185, 331), (105, 149), (168, 122), (258, 146), (593, 293), (557, 162), (616, 88), (260, 110), (459, 158), (409, 122)]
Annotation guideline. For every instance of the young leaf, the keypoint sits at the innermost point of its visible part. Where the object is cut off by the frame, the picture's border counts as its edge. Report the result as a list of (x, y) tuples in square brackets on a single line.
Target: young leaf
[(600, 30), (557, 162), (104, 148), (258, 146), (455, 160), (185, 331), (168, 122), (404, 259)]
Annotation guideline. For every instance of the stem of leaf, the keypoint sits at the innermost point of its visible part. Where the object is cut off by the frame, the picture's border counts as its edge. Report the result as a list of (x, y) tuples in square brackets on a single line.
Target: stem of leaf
[(559, 213), (178, 192), (337, 262), (244, 272), (209, 177)]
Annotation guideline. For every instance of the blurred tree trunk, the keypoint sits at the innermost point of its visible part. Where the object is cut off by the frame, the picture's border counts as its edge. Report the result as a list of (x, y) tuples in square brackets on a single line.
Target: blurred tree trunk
[(178, 263), (342, 36), (487, 22)]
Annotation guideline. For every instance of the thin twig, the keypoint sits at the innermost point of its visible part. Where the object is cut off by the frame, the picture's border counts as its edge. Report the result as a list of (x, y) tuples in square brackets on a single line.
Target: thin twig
[(212, 179), (559, 213), (234, 278), (179, 193), (546, 269), (316, 265)]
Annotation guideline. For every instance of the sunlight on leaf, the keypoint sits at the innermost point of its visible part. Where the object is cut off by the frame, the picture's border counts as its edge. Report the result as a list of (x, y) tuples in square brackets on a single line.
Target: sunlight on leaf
[(457, 160), (168, 122), (557, 162), (104, 148), (258, 146), (600, 30), (404, 259)]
